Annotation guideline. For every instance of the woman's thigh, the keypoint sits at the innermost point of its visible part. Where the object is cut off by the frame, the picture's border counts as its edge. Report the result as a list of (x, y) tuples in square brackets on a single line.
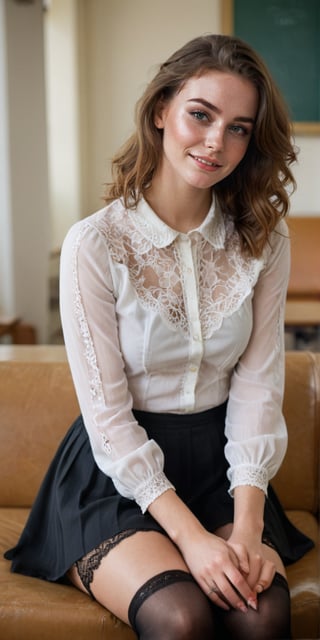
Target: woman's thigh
[(127, 566)]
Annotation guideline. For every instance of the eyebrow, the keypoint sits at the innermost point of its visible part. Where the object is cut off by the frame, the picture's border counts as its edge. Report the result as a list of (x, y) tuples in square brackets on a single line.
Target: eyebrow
[(212, 107)]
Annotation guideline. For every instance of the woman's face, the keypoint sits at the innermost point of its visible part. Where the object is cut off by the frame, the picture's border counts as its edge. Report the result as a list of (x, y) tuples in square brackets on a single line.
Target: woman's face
[(206, 129)]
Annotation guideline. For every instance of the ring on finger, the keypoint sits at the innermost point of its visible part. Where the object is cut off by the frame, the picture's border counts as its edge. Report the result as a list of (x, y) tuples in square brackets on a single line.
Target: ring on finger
[(214, 589)]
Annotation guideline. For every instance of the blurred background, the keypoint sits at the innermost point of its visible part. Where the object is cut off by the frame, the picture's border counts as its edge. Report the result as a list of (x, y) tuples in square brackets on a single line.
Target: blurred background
[(70, 74)]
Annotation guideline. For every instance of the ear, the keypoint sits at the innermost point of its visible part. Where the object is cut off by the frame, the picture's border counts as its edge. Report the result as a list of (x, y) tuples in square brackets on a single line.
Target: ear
[(159, 114)]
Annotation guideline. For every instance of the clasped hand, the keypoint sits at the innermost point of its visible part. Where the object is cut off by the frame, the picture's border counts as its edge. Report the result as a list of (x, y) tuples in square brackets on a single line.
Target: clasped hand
[(231, 572)]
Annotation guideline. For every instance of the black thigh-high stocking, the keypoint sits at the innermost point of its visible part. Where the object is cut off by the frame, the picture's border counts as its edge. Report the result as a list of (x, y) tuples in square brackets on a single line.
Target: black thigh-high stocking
[(171, 606), (270, 622)]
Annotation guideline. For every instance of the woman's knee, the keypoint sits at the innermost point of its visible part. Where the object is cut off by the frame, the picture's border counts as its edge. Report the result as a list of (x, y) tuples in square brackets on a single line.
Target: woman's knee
[(190, 621), (171, 606), (270, 622)]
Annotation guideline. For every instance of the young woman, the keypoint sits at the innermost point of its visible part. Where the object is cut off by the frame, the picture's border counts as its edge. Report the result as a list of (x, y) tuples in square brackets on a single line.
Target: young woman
[(158, 502)]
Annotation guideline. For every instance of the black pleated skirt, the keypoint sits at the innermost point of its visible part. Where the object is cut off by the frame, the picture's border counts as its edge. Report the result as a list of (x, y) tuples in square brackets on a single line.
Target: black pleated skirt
[(78, 507)]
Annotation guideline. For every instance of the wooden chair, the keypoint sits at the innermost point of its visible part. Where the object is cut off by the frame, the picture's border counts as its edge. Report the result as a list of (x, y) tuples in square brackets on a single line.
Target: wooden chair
[(18, 332)]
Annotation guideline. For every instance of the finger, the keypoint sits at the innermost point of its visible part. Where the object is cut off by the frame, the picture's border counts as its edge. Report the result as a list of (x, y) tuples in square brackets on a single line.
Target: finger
[(256, 563), (235, 591), (234, 557), (266, 576), (217, 598), (243, 558)]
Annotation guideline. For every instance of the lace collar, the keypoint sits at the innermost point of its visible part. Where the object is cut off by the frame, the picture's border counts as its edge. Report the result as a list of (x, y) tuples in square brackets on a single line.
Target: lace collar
[(161, 235)]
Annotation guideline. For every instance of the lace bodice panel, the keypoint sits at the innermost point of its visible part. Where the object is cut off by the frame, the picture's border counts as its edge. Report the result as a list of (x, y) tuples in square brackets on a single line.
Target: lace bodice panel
[(159, 272)]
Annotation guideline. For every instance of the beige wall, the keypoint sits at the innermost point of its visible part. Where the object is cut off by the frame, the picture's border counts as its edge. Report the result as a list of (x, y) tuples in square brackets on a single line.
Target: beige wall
[(127, 40), (24, 206), (120, 44), (63, 115), (306, 200)]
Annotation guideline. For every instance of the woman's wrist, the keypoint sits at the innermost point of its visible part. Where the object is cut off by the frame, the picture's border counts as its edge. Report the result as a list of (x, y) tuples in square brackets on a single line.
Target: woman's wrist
[(248, 528), (249, 510), (176, 518)]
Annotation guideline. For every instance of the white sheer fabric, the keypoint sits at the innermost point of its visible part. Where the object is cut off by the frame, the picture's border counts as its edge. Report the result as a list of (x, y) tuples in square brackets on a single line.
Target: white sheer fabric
[(162, 321)]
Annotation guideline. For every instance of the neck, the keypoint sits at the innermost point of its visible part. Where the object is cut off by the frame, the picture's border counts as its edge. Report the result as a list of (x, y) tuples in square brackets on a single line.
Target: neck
[(182, 210)]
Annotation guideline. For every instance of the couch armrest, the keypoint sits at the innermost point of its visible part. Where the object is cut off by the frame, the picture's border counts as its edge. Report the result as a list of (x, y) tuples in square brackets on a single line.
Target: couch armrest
[(297, 482)]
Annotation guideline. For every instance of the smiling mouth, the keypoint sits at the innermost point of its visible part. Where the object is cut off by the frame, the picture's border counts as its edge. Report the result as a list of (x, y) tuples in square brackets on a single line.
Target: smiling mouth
[(206, 163)]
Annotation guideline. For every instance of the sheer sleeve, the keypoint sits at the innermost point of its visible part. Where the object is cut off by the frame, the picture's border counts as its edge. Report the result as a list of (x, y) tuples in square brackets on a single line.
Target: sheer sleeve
[(120, 446), (255, 427)]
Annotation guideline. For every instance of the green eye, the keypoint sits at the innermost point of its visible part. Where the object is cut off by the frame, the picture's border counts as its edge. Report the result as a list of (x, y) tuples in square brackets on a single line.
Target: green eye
[(199, 115), (239, 130)]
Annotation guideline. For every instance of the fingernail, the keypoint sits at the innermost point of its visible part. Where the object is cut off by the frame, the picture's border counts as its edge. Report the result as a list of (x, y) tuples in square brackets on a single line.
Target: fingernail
[(253, 604), (242, 607)]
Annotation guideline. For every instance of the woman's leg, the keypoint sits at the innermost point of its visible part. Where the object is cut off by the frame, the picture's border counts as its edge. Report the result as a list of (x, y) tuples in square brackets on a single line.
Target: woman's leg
[(272, 620), (145, 577)]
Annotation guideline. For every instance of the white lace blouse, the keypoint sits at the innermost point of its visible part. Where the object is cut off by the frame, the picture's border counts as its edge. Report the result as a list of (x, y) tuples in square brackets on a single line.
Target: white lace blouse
[(163, 321)]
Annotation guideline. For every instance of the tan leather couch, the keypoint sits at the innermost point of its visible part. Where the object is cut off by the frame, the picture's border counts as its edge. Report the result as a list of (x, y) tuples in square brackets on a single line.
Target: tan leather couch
[(304, 282), (37, 404), (302, 316)]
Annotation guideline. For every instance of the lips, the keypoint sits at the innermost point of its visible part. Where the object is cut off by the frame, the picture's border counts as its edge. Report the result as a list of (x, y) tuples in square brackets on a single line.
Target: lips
[(206, 162)]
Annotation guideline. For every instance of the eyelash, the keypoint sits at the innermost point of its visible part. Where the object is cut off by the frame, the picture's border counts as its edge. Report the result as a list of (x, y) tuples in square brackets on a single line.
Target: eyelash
[(200, 115), (237, 129)]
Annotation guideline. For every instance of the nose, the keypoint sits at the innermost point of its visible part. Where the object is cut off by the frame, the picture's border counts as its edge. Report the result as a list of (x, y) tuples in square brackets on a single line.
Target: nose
[(215, 137)]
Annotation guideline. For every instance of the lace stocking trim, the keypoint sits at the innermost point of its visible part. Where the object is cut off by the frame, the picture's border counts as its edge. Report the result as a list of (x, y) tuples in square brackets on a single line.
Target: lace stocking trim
[(87, 565), (160, 581)]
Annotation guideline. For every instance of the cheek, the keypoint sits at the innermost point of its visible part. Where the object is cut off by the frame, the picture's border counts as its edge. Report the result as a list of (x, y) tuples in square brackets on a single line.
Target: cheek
[(178, 131), (239, 151)]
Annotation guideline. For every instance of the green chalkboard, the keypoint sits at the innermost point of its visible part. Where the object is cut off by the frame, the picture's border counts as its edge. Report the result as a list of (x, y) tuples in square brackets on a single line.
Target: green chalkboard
[(287, 35)]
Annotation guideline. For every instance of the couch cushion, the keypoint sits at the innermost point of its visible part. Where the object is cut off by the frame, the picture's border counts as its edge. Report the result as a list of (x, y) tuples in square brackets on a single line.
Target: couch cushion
[(32, 427), (304, 581), (33, 609)]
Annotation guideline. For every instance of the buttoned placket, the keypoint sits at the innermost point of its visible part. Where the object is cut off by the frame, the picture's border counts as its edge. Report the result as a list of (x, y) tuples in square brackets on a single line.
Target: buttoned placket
[(190, 285)]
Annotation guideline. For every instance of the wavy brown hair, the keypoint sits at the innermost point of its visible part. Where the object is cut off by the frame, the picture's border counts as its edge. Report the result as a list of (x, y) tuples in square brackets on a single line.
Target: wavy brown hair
[(255, 194)]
